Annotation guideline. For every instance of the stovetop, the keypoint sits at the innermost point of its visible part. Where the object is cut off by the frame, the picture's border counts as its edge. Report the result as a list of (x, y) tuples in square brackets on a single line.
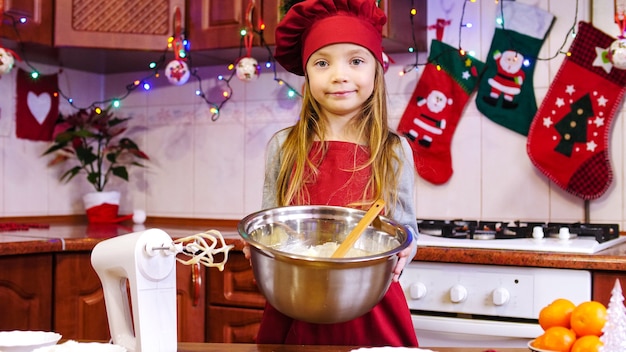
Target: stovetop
[(533, 236)]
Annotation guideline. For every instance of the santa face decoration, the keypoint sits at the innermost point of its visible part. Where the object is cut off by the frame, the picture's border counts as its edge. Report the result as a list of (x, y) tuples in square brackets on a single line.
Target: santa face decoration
[(177, 72), (617, 53), (428, 123), (247, 69), (509, 78), (6, 61)]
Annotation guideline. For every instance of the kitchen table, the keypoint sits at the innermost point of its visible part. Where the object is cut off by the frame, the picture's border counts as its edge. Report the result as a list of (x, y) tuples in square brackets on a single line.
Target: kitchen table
[(242, 347)]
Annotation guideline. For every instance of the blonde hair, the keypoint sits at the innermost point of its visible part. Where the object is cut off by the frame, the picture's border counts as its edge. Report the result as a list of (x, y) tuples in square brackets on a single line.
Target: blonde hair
[(371, 126)]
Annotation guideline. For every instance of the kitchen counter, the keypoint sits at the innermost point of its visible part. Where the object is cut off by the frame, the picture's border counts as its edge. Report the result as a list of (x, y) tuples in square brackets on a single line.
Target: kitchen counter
[(60, 237), (239, 347), (59, 253)]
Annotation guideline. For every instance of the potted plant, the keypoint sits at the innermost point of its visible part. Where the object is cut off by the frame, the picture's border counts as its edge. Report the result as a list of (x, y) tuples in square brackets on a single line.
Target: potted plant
[(93, 141)]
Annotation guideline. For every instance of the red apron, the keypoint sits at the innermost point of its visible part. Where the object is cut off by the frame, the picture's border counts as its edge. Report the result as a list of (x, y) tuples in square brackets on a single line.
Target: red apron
[(389, 322)]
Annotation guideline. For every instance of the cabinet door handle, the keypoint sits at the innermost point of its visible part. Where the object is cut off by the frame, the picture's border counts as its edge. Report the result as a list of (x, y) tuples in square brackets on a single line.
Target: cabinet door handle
[(196, 280)]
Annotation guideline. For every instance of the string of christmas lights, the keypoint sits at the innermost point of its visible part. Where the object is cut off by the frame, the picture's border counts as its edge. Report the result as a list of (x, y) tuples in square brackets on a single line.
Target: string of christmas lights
[(181, 52), (412, 49), (499, 21)]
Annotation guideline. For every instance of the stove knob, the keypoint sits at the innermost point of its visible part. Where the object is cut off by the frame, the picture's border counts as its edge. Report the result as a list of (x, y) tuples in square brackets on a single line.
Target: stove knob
[(458, 294), (417, 290), (500, 296), (564, 234)]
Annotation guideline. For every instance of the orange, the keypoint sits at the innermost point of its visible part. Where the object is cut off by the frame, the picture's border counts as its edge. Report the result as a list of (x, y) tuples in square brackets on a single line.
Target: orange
[(588, 318), (557, 313), (558, 339), (539, 342), (589, 343)]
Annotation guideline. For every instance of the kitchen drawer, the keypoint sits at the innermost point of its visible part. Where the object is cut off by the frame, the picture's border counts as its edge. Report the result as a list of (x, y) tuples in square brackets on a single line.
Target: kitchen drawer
[(235, 286), (25, 292), (80, 312), (233, 325)]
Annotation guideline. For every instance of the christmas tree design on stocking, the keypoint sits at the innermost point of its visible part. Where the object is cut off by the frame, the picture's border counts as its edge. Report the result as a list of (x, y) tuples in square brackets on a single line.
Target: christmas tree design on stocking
[(435, 108), (568, 138)]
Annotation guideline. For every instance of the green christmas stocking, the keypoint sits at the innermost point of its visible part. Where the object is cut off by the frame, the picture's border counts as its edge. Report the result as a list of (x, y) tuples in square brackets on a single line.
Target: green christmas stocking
[(568, 138), (506, 94)]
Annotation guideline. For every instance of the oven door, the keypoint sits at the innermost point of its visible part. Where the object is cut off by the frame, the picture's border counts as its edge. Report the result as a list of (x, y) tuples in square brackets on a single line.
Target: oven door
[(436, 331)]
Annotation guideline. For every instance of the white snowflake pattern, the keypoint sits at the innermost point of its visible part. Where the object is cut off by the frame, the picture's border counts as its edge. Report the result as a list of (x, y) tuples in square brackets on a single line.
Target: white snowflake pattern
[(465, 75), (570, 89), (602, 101)]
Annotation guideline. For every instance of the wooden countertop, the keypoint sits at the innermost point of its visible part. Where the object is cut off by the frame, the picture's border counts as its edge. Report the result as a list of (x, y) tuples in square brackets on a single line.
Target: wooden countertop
[(59, 237), (238, 347)]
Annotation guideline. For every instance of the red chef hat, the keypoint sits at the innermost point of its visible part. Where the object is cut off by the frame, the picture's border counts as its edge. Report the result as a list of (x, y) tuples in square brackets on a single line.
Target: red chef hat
[(313, 24)]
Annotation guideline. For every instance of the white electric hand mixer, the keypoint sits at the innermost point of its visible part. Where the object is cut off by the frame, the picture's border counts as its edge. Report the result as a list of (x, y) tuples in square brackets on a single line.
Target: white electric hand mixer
[(147, 261)]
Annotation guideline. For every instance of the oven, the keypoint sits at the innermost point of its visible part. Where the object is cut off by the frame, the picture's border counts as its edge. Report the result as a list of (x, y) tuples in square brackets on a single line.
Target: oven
[(493, 306)]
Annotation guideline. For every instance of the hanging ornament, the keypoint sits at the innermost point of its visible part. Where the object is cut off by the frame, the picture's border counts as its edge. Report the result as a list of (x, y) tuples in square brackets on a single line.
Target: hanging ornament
[(617, 53), (247, 68), (7, 60), (440, 27), (177, 70)]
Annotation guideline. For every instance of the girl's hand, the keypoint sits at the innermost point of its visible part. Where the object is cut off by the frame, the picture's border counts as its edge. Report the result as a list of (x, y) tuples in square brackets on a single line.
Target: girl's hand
[(403, 259), (246, 250)]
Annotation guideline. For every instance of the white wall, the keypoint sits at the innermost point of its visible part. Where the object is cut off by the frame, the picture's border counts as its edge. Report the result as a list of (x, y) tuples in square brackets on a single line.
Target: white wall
[(213, 169)]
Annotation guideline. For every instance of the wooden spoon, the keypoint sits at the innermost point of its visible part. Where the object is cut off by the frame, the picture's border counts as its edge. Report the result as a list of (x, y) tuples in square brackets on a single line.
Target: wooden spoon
[(354, 235)]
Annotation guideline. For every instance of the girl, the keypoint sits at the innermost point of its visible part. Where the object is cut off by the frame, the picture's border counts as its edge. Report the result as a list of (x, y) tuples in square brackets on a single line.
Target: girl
[(340, 152)]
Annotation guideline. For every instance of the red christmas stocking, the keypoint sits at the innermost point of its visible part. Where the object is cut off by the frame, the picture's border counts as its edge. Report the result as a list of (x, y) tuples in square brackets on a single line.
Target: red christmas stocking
[(568, 137), (435, 108)]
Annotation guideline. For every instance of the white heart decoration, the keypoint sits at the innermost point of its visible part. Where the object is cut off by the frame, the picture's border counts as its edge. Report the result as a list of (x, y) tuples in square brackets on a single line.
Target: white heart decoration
[(39, 105)]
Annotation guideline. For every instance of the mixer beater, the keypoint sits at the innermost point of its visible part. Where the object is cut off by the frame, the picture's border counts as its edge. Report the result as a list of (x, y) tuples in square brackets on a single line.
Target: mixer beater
[(146, 260)]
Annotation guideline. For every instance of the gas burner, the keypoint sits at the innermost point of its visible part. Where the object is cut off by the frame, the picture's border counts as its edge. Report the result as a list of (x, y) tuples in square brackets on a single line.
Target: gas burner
[(447, 228), (496, 230), (601, 232)]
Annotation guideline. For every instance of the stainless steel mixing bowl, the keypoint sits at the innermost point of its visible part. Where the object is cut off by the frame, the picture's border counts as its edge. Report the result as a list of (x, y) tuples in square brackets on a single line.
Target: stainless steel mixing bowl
[(314, 289)]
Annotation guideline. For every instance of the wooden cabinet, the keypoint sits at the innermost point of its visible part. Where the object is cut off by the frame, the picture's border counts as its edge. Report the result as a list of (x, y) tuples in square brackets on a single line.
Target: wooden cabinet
[(116, 24), (38, 26), (190, 302), (603, 282), (235, 305), (79, 308), (216, 24), (26, 292)]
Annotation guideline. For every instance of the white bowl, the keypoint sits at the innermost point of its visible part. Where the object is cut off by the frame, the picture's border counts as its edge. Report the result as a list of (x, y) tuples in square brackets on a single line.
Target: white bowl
[(26, 341), (73, 346), (535, 349)]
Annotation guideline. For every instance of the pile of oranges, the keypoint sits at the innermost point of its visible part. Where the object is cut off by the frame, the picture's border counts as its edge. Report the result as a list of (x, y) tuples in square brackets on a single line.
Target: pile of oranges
[(568, 327)]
